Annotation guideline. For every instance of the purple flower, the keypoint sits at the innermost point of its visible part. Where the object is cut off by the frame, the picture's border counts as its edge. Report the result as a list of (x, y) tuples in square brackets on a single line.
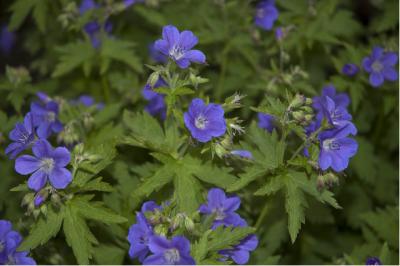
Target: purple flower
[(156, 105), (87, 5), (373, 261), (43, 97), (156, 55), (240, 253), (93, 28), (150, 206), (266, 14), (266, 122), (336, 148), (46, 164), (380, 65), (7, 40), (138, 237), (242, 153), (45, 119), (23, 136), (38, 200), (169, 252), (340, 99), (223, 208), (9, 242), (178, 46), (128, 3), (337, 116), (279, 34), (350, 69), (87, 101), (205, 121)]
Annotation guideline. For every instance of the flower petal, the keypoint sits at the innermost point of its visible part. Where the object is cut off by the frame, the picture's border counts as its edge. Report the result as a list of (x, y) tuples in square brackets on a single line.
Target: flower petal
[(390, 73), (44, 130), (60, 177), (216, 197), (196, 56), (241, 257), (37, 180), (182, 244), (376, 79), (26, 164), (231, 204), (389, 59), (42, 148), (183, 63), (324, 160), (170, 34), (158, 244), (61, 156), (162, 46), (187, 40), (157, 259)]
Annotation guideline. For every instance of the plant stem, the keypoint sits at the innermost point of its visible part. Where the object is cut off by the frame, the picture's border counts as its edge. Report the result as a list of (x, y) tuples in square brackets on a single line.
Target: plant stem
[(305, 143), (262, 215)]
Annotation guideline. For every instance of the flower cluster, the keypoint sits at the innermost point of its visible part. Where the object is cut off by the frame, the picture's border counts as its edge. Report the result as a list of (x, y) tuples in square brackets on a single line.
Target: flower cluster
[(144, 240), (223, 208), (380, 66), (336, 148), (47, 163), (9, 242), (154, 239), (93, 28), (40, 122)]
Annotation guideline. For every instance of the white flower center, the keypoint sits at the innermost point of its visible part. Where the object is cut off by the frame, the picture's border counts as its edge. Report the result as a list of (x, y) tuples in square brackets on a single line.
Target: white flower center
[(260, 13), (51, 116), (47, 164), (330, 144), (377, 66), (172, 256), (220, 214), (176, 52), (200, 122)]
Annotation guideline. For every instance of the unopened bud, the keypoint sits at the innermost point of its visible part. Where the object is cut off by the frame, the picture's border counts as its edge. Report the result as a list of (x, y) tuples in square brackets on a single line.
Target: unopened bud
[(307, 109), (220, 150), (298, 115), (189, 224), (298, 101), (308, 101), (55, 199), (27, 199), (308, 118), (152, 80), (161, 229)]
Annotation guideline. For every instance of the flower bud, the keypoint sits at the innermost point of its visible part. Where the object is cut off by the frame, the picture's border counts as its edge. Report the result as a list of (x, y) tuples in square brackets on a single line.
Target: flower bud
[(55, 199), (298, 115), (40, 197), (152, 80), (298, 101), (161, 229), (27, 199), (220, 150), (189, 224), (307, 109)]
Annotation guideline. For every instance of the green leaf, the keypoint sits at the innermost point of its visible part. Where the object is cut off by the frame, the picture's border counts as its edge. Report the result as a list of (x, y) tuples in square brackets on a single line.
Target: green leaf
[(121, 51), (95, 211), (227, 237), (39, 14), (43, 230), (72, 56), (206, 172), (266, 148), (20, 10), (20, 188), (104, 153), (109, 255), (97, 185), (250, 174), (159, 179), (187, 192), (295, 205), (78, 235), (272, 186)]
